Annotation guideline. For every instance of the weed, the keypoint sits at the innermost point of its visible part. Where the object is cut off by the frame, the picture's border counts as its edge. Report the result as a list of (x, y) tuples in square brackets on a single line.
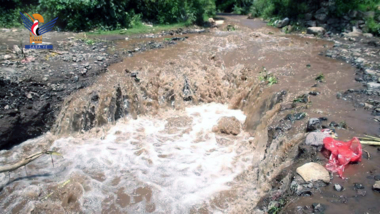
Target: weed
[(230, 28), (269, 79), (320, 78), (90, 42), (302, 99)]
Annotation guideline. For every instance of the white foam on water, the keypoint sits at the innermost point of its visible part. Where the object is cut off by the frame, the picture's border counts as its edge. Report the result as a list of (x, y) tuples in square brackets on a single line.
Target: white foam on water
[(182, 167)]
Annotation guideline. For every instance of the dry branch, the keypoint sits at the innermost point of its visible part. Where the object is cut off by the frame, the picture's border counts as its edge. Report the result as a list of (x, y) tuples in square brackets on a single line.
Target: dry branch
[(25, 161)]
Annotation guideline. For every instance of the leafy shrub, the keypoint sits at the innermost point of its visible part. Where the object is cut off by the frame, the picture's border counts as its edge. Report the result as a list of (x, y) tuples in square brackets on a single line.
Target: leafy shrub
[(9, 11), (85, 15), (237, 10), (115, 14), (373, 26)]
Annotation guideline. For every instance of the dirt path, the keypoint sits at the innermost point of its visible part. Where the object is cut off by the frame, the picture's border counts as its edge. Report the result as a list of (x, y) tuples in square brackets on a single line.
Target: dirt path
[(124, 137)]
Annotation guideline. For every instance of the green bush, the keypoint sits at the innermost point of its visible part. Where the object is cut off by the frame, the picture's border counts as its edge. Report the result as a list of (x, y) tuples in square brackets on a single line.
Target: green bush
[(373, 26), (78, 15), (10, 11), (85, 15)]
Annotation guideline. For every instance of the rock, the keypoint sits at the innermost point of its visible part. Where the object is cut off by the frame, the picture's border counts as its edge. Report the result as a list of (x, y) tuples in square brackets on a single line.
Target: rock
[(353, 13), (32, 191), (316, 30), (316, 138), (6, 57), (376, 186), (313, 124), (228, 125), (370, 72), (311, 24), (313, 172), (45, 79), (356, 30), (358, 186), (361, 192), (321, 17), (287, 29), (126, 38), (318, 208), (283, 23), (338, 95), (16, 49), (373, 43), (100, 58), (338, 187), (332, 21), (369, 14), (286, 106), (373, 85), (359, 60), (377, 177), (368, 35), (308, 16), (75, 78)]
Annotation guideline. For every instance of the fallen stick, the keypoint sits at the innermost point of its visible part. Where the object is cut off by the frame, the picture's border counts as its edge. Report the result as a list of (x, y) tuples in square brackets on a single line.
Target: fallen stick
[(25, 161), (372, 143)]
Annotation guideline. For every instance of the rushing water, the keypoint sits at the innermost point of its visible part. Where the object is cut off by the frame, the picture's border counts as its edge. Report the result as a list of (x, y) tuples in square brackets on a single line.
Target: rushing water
[(165, 164)]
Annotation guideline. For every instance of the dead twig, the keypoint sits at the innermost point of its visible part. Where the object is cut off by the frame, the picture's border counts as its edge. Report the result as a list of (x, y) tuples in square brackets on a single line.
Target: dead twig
[(369, 156), (25, 161)]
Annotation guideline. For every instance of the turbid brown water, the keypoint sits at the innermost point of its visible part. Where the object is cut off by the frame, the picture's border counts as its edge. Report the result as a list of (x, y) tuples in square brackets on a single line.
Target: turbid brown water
[(146, 144)]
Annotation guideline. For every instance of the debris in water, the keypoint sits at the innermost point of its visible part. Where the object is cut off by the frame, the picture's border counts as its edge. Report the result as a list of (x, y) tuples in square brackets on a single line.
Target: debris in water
[(342, 153)]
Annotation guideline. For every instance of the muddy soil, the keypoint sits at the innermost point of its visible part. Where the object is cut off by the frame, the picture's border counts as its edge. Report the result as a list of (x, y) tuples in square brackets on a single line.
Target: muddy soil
[(214, 124), (34, 83)]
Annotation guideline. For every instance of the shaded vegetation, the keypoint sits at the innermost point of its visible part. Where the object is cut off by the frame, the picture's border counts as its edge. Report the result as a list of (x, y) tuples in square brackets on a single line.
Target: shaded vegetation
[(84, 15), (109, 15)]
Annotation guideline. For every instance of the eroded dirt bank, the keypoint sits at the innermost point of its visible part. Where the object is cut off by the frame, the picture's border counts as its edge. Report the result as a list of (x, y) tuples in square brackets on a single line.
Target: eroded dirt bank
[(34, 83), (157, 134)]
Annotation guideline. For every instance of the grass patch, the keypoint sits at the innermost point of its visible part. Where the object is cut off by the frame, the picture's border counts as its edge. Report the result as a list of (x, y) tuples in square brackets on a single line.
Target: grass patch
[(269, 79), (140, 29), (320, 78)]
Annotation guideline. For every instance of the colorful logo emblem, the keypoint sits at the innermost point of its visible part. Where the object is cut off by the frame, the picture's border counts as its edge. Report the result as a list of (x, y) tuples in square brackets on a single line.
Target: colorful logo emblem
[(37, 30)]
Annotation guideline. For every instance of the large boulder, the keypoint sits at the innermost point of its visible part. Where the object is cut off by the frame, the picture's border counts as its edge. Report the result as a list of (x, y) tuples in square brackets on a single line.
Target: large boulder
[(321, 14), (283, 23), (313, 172), (376, 186), (313, 124), (353, 13), (316, 30), (316, 138), (308, 16), (228, 125), (321, 17), (311, 24)]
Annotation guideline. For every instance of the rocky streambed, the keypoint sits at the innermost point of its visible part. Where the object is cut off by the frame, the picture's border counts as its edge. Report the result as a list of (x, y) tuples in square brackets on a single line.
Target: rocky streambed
[(217, 123)]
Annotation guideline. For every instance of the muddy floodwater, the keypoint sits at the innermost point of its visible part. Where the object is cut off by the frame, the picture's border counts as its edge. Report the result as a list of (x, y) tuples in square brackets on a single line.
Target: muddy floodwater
[(147, 136)]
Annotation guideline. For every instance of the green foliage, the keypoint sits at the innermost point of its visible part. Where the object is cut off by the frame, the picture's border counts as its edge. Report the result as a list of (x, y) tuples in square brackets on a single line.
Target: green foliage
[(373, 26), (10, 12), (79, 15), (90, 42), (237, 10), (269, 79), (320, 78), (103, 15)]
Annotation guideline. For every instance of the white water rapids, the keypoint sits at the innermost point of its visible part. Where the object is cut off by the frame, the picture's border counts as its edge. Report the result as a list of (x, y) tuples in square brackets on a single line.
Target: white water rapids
[(169, 163)]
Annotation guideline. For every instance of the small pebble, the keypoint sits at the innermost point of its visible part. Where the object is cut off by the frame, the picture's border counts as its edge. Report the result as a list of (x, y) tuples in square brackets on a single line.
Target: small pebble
[(338, 187)]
